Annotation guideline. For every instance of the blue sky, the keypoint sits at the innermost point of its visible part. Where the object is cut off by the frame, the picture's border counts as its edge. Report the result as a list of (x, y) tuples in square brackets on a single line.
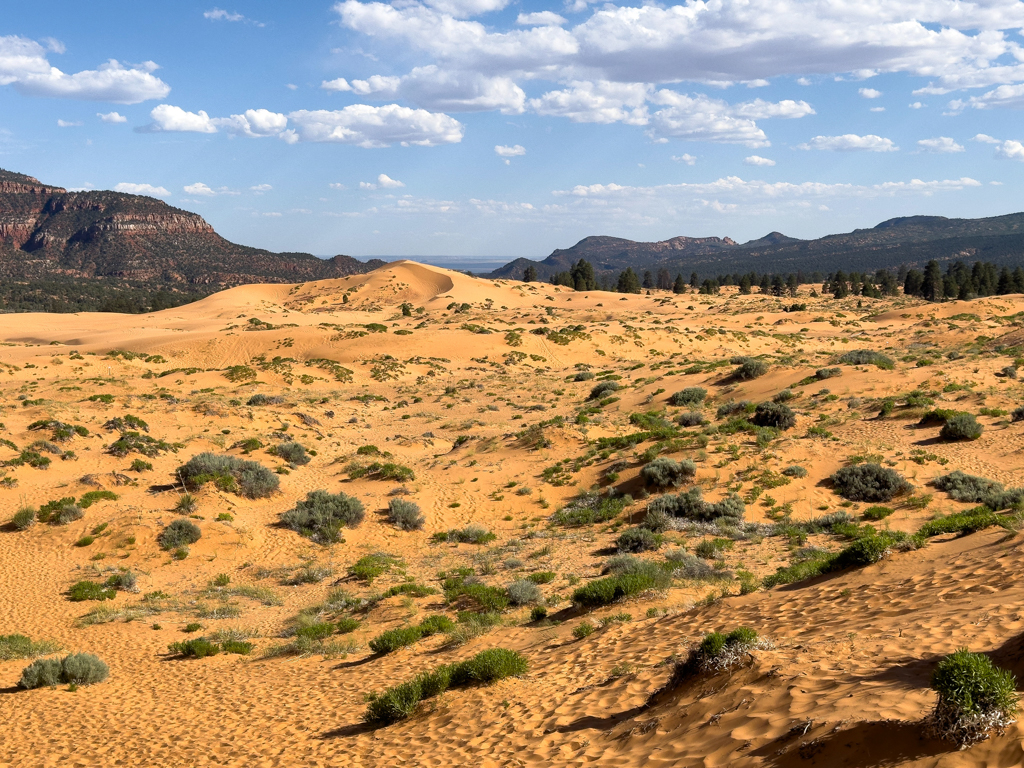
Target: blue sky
[(496, 128)]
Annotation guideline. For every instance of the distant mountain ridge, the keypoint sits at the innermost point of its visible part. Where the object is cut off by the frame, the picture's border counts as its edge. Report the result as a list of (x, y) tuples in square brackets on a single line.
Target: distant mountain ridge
[(50, 235), (908, 240)]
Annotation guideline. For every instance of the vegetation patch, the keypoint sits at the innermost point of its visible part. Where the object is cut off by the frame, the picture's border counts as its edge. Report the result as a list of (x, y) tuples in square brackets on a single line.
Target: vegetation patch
[(229, 473), (975, 698)]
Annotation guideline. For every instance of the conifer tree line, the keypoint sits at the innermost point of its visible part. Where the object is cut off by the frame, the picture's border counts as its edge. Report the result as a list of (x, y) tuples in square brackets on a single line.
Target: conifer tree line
[(957, 282)]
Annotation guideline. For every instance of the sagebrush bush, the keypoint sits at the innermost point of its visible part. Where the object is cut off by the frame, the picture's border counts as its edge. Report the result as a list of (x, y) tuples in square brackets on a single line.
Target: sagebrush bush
[(690, 419), (77, 669), (783, 396), (638, 540), (405, 515), (794, 470), (869, 482), (1017, 414), (979, 490), (602, 389), (733, 407), (683, 565), (24, 518), (590, 508), (975, 698), (774, 415), (656, 520), (664, 472), (867, 357), (259, 399), (321, 515), (689, 396), (749, 368), (229, 473), (691, 505), (878, 512), (961, 426), (180, 533), (827, 373), (293, 453), (524, 592)]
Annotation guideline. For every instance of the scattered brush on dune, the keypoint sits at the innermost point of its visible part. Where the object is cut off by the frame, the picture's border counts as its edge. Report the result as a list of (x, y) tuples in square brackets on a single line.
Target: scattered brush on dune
[(975, 699)]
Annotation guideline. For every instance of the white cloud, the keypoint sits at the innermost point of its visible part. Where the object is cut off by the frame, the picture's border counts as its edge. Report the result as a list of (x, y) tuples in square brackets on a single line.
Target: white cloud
[(292, 87), (368, 126), (1011, 96), (803, 81), (253, 123), (465, 8), (877, 109), (259, 189), (367, 185), (110, 82), (985, 139), (386, 182), (199, 189), (68, 124), (515, 151), (869, 93), (53, 45), (170, 118), (600, 102), (687, 159), (141, 189), (851, 142), (341, 84), (940, 145), (336, 185), (111, 117), (540, 19), (916, 105), (758, 160), (1009, 149), (218, 14)]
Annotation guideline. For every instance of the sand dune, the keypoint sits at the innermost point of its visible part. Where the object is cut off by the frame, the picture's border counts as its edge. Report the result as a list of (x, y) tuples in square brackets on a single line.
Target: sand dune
[(482, 389)]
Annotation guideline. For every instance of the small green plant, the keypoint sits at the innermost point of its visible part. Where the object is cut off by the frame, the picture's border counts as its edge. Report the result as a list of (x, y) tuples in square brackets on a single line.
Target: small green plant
[(76, 669), (878, 512), (138, 465), (89, 590), (582, 630), (975, 698), (471, 534), (180, 533), (321, 515), (187, 504)]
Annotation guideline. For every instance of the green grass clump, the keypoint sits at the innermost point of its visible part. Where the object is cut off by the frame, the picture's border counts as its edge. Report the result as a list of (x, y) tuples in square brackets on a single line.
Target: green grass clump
[(471, 534), (589, 509), (89, 590), (542, 577), (975, 698), (867, 357), (60, 511), (371, 566), (488, 599), (609, 589), (197, 648), (870, 547), (878, 512), (400, 701), (347, 624), (21, 647), (689, 396), (91, 497), (964, 523), (180, 533), (24, 518)]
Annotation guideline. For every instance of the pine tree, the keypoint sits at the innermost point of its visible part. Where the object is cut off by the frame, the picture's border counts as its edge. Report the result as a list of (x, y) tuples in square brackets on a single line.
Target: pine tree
[(664, 279), (679, 286), (648, 279), (913, 283), (628, 282), (530, 274), (933, 286), (694, 280), (745, 285), (792, 284)]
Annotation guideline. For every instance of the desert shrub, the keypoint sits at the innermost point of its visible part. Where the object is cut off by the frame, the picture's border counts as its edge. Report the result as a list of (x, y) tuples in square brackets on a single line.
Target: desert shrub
[(125, 581), (961, 426), (293, 453), (60, 511), (869, 548), (410, 588), (783, 396), (321, 515), (964, 523), (260, 399), (690, 419), (542, 577), (393, 639), (197, 648), (774, 415), (400, 701), (319, 630), (583, 376), (979, 490), (524, 592), (589, 508), (436, 625), (1017, 413), (186, 504), (381, 471), (371, 566), (827, 373), (638, 540), (77, 669), (975, 697), (489, 599), (683, 565), (538, 613), (89, 590), (732, 408), (869, 482), (656, 521), (711, 549), (692, 506), (405, 515), (664, 472), (24, 518), (471, 534), (228, 473), (582, 630), (749, 368), (347, 624), (91, 497), (138, 465), (795, 470), (180, 533), (609, 589), (689, 396), (867, 357), (718, 651), (602, 389), (878, 512)]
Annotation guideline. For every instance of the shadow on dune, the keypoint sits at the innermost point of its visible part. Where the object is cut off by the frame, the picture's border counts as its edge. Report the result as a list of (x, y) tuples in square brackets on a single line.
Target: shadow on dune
[(355, 729), (878, 743), (600, 723)]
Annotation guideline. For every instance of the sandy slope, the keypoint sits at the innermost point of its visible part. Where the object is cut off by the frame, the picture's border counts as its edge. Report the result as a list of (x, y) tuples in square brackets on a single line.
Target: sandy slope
[(847, 680)]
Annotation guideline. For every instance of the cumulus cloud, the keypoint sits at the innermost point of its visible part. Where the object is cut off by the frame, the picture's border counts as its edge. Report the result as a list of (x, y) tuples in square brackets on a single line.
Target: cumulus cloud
[(170, 118), (851, 142), (515, 151), (340, 84), (597, 102), (940, 145), (540, 19), (141, 189), (368, 126), (110, 82), (443, 90), (218, 14), (111, 117), (259, 189), (1009, 149), (686, 159), (1011, 96), (964, 44), (199, 189), (465, 8), (758, 160), (869, 93), (253, 123), (386, 182)]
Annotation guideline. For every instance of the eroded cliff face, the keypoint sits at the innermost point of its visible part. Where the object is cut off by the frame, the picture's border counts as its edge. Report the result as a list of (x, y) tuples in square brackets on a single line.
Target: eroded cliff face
[(47, 231)]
